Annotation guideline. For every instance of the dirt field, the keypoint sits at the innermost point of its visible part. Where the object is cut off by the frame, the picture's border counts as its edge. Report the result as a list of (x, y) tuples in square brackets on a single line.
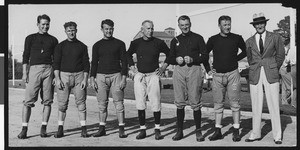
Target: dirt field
[(168, 125)]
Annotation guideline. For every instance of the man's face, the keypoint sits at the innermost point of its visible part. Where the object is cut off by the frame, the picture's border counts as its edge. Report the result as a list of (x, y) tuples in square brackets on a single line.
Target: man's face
[(71, 32), (225, 26), (260, 27), (107, 31), (184, 26), (147, 29), (43, 26)]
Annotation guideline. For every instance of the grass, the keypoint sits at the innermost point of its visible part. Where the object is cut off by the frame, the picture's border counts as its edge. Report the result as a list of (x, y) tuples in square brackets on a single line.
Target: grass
[(168, 97)]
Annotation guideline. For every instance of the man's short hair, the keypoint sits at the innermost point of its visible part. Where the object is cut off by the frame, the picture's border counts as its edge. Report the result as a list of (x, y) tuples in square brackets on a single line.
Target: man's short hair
[(149, 21), (44, 16), (224, 17), (108, 22), (69, 24), (184, 17)]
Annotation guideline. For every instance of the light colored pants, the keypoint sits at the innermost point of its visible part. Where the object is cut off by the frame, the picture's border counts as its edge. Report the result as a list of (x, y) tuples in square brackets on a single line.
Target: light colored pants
[(272, 97), (39, 79), (294, 81), (107, 82), (229, 82), (187, 82), (147, 85), (71, 81), (285, 84)]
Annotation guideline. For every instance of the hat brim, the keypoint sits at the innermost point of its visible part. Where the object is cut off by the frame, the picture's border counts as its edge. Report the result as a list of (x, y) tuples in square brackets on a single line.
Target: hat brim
[(259, 21)]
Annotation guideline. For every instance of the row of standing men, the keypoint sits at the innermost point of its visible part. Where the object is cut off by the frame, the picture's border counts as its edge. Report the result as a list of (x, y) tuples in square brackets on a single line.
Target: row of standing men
[(109, 68)]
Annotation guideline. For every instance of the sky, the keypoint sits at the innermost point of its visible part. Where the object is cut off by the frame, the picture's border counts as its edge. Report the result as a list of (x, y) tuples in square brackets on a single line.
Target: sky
[(128, 19)]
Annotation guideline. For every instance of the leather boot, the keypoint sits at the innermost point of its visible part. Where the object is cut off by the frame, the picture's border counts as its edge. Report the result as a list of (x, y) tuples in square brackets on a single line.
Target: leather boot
[(60, 132), (84, 132), (158, 136), (199, 136), (23, 133), (43, 131), (217, 135), (142, 134), (101, 131), (122, 132), (236, 136)]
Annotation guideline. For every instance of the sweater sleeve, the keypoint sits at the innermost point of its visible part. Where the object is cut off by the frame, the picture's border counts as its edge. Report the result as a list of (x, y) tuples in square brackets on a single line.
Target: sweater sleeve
[(57, 57), (86, 62), (129, 53), (124, 67), (94, 63), (27, 47), (202, 51), (172, 54), (165, 49), (242, 46), (204, 55)]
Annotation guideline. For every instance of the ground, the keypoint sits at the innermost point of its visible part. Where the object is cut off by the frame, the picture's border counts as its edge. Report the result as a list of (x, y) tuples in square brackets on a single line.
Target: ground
[(168, 127)]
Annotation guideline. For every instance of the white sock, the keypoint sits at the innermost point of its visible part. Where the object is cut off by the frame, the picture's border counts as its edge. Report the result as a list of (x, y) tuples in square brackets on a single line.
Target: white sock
[(24, 124), (236, 126), (157, 126), (44, 123), (60, 123), (143, 127), (218, 126), (102, 123), (82, 122)]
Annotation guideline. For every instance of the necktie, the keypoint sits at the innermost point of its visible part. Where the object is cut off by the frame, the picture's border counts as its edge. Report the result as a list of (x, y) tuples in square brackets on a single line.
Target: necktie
[(261, 45)]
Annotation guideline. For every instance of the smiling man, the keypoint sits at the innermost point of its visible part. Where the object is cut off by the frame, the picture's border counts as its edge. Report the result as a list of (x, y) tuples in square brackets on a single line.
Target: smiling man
[(109, 68), (38, 53), (147, 77), (187, 53), (71, 68), (226, 77)]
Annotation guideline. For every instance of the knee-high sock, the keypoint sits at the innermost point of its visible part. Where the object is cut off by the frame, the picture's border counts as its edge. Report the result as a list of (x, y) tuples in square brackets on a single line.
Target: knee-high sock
[(141, 114), (197, 118)]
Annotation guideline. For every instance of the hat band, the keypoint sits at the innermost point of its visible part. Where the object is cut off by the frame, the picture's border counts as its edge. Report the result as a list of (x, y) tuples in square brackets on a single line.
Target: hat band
[(259, 19)]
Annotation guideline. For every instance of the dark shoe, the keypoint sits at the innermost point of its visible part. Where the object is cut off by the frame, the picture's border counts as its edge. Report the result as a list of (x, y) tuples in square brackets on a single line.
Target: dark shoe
[(252, 140), (23, 134), (84, 133), (101, 131), (199, 136), (60, 132), (142, 134), (43, 131), (122, 132), (178, 135), (236, 136), (278, 142), (217, 135), (158, 136)]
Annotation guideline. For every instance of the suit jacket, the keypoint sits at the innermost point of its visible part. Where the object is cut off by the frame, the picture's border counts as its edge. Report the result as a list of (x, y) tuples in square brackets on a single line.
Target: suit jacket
[(271, 59)]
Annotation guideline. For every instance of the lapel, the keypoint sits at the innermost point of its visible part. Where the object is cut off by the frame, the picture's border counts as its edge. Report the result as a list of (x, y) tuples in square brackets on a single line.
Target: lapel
[(253, 40), (267, 40)]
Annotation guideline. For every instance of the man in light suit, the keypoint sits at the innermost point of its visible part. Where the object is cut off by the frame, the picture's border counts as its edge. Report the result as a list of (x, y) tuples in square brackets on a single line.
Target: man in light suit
[(265, 53)]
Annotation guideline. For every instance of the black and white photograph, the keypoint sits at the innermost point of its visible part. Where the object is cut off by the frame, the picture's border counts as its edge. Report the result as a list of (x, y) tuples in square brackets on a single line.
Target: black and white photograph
[(151, 75)]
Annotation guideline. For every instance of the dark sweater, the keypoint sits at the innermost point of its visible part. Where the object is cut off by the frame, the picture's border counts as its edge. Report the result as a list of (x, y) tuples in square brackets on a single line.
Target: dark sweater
[(38, 49), (192, 45), (225, 51), (108, 57), (147, 53), (71, 56)]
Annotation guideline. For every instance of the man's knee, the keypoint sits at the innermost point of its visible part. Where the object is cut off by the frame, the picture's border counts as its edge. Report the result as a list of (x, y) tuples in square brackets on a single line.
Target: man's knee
[(63, 108), (235, 106), (218, 107), (119, 105)]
